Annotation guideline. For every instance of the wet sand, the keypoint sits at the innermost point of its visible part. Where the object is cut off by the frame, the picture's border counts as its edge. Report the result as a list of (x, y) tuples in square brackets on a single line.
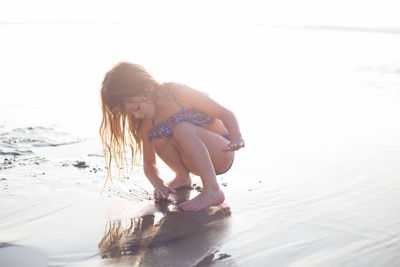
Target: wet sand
[(337, 206), (52, 212)]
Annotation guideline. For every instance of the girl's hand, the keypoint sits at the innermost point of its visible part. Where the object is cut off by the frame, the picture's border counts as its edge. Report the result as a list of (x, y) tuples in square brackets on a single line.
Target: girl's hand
[(235, 144), (162, 191)]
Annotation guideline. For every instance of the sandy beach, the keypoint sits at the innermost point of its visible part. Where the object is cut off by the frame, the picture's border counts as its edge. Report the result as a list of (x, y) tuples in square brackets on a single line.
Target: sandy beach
[(316, 185)]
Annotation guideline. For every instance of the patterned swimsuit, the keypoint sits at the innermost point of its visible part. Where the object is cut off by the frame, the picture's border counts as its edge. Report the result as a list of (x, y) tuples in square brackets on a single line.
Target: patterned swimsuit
[(165, 128)]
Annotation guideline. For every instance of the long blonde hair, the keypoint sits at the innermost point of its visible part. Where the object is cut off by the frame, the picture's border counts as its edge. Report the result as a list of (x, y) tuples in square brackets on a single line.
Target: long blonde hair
[(119, 130)]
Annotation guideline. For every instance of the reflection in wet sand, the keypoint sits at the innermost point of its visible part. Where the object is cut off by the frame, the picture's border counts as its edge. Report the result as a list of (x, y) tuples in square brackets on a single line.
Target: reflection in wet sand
[(165, 235)]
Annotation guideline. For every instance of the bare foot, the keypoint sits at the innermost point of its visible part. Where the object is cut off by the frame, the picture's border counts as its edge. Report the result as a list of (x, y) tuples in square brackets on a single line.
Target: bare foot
[(204, 200), (180, 181)]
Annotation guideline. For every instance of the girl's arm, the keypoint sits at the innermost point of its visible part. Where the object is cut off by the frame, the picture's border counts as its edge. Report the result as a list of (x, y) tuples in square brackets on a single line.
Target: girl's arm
[(195, 99), (150, 168)]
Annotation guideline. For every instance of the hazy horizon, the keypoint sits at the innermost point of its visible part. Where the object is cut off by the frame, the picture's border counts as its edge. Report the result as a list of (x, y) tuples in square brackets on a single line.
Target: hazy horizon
[(354, 13)]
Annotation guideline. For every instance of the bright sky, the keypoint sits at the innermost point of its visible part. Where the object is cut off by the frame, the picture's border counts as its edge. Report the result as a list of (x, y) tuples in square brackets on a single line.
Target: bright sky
[(366, 13)]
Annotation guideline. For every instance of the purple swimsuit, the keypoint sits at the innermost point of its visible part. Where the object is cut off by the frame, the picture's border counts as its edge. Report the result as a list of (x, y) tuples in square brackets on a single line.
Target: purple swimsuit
[(165, 128)]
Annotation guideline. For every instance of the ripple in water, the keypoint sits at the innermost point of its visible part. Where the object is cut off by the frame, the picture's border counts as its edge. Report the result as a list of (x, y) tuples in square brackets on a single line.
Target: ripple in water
[(23, 141)]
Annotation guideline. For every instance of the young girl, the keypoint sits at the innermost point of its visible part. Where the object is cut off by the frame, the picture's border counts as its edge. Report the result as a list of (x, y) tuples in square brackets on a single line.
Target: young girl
[(188, 130)]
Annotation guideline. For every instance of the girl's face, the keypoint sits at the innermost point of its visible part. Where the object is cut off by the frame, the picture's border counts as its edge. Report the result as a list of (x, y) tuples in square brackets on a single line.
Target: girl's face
[(140, 107)]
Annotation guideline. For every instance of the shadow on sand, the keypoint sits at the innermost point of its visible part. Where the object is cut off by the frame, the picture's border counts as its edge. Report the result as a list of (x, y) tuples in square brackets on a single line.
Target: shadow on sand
[(166, 236)]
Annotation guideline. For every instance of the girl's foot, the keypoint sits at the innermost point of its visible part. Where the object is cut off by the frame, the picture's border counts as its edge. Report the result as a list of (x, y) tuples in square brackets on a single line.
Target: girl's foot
[(204, 200), (180, 181)]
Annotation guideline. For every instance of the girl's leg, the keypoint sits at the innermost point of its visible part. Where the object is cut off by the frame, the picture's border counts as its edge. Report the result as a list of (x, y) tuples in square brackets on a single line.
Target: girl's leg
[(167, 150), (202, 153)]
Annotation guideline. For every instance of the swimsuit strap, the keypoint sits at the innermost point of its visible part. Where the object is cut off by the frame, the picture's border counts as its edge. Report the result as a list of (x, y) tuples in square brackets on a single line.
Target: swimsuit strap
[(177, 102)]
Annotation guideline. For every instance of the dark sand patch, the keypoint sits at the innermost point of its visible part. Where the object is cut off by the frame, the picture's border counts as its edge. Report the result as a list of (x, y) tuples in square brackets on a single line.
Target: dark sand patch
[(181, 237)]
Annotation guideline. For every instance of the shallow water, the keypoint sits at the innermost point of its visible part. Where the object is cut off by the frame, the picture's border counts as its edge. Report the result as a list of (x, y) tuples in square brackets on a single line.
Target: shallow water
[(316, 184)]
